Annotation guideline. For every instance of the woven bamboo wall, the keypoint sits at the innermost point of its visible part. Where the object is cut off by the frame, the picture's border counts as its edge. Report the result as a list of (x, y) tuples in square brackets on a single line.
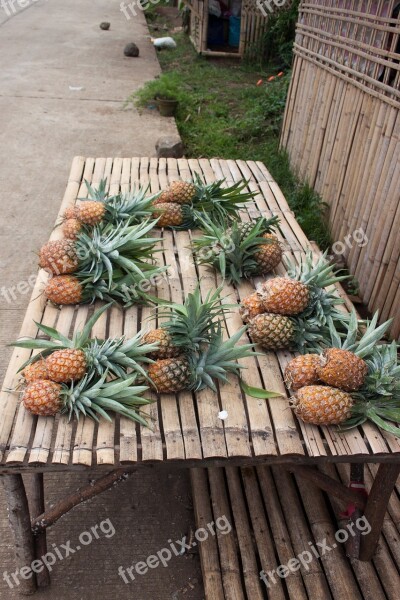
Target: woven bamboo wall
[(342, 129)]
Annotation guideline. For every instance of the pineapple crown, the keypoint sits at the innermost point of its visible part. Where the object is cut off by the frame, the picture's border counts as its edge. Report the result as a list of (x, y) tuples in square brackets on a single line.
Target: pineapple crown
[(132, 206), (114, 355), (216, 359), (192, 322), (315, 274), (232, 251), (361, 346), (378, 400), (102, 249), (95, 397)]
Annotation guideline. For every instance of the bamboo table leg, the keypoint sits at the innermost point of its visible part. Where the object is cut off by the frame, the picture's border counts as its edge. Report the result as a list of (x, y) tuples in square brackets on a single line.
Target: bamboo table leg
[(40, 542), (20, 523), (354, 541), (377, 503)]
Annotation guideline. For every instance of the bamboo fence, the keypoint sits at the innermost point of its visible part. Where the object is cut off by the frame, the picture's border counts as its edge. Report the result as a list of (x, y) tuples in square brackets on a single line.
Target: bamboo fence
[(341, 130)]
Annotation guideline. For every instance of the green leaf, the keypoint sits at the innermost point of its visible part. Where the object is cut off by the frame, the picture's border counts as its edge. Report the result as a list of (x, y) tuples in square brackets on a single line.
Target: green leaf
[(256, 392)]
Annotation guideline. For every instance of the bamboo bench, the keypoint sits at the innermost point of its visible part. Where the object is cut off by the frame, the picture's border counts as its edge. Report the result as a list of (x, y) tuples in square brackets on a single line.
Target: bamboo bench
[(186, 432)]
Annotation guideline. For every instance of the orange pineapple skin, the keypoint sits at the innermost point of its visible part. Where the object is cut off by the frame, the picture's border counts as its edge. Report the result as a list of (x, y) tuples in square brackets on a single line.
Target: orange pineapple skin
[(90, 212), (251, 307), (63, 290), (284, 296), (35, 371), (271, 331), (269, 255), (322, 405), (302, 371), (166, 349), (42, 398), (342, 369), (70, 213), (162, 198), (170, 375), (59, 257), (66, 365), (71, 228), (169, 214)]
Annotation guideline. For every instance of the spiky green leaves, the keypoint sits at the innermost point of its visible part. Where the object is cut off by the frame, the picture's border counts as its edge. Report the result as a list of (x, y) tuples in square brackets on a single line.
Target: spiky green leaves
[(217, 359), (192, 322), (96, 398), (131, 207), (234, 251)]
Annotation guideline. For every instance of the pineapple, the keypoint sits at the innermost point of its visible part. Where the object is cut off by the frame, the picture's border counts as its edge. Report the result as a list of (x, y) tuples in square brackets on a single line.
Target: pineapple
[(343, 365), (269, 255), (284, 296), (303, 289), (43, 398), (322, 405), (59, 257), (170, 375), (90, 397), (272, 331), (64, 289), (201, 368), (181, 192), (101, 207), (66, 365), (71, 228), (123, 247), (35, 371), (168, 214), (192, 200), (164, 341), (242, 251), (250, 307), (188, 325), (70, 359), (302, 371), (124, 289)]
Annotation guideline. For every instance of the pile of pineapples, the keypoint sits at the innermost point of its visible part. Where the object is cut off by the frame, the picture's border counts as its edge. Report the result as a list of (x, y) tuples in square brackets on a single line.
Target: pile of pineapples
[(91, 377)]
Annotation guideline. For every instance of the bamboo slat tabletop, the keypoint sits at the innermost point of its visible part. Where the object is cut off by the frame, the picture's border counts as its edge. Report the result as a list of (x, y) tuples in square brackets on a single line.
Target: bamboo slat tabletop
[(186, 429)]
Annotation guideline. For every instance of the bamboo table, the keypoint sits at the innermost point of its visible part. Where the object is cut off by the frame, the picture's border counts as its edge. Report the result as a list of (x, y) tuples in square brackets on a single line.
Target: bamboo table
[(187, 431)]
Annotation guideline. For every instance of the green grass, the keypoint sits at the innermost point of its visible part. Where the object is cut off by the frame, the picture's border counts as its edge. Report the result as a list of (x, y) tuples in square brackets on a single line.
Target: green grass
[(223, 113)]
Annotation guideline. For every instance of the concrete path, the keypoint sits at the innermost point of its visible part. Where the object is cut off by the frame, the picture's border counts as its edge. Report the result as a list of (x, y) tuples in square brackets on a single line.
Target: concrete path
[(46, 49)]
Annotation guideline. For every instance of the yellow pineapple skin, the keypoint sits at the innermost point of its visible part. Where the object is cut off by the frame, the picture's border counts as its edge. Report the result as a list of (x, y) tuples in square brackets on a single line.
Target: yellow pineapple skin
[(59, 257), (169, 214), (271, 331), (251, 307), (170, 375), (64, 290), (42, 398), (322, 405), (35, 371), (302, 371), (90, 212), (284, 296), (269, 255), (181, 192), (71, 228), (166, 349), (66, 365), (342, 369)]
